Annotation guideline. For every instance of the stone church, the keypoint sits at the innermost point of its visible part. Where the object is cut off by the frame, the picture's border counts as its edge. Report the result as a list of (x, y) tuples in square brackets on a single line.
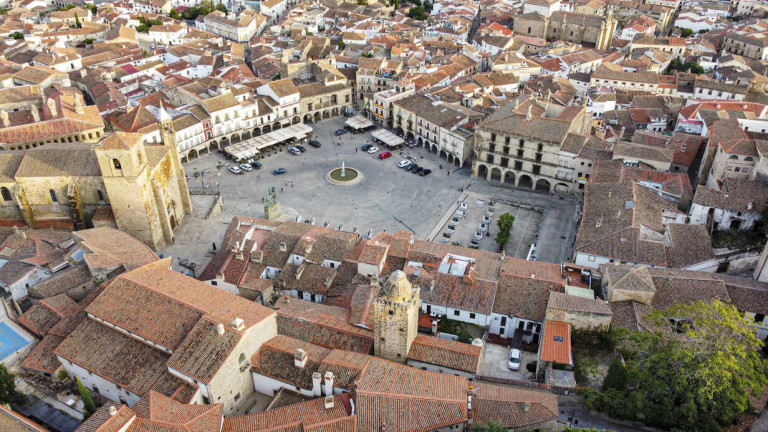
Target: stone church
[(585, 29), (118, 181), (396, 318)]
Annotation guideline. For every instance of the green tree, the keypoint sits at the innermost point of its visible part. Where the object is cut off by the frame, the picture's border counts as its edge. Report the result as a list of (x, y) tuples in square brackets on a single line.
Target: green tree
[(686, 32), (504, 223), (77, 22), (697, 374), (174, 14), (417, 13), (88, 41), (396, 4), (8, 392), (17, 35), (367, 55), (617, 376), (341, 45), (362, 2), (221, 7), (89, 407), (491, 426), (67, 7), (92, 8)]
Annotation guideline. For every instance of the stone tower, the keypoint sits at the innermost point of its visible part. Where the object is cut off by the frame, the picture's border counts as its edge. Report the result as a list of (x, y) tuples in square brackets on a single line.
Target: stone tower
[(169, 141), (396, 318), (127, 179)]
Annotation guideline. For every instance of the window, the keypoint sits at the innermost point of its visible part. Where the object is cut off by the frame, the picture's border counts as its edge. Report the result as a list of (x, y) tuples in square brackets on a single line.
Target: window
[(471, 316), (116, 163), (53, 195), (6, 194), (100, 195), (456, 313)]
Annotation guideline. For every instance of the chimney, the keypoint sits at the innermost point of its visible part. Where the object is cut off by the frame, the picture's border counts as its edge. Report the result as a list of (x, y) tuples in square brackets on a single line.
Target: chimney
[(52, 107), (257, 257), (4, 118), (24, 234), (621, 133), (78, 106), (528, 115), (470, 276), (238, 324), (112, 410), (434, 327), (328, 383), (526, 406), (316, 380), (329, 402), (300, 358), (283, 247), (35, 113), (503, 254), (220, 329), (220, 275)]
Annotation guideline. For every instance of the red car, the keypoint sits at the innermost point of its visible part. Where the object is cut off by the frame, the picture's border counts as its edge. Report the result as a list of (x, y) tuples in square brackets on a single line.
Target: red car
[(384, 155)]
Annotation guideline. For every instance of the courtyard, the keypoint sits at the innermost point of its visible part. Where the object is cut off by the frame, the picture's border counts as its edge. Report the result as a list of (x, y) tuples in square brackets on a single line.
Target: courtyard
[(388, 198)]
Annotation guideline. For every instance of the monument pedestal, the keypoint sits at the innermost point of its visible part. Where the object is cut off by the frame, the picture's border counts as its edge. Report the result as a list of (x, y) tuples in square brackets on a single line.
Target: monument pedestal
[(273, 212)]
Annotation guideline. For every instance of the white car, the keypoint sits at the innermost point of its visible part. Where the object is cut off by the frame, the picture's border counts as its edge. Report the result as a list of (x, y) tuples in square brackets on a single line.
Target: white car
[(235, 169), (404, 163), (373, 150), (246, 167), (514, 359)]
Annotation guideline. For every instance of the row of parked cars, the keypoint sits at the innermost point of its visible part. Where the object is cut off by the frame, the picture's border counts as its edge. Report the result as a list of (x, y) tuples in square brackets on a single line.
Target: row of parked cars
[(412, 166), (248, 166)]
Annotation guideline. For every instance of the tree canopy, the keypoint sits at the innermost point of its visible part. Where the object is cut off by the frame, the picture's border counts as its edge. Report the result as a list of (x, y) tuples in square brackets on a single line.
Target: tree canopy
[(8, 392), (89, 407), (696, 372), (504, 223)]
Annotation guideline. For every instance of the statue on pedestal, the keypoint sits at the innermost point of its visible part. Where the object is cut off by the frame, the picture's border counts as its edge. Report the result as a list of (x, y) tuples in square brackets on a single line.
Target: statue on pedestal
[(272, 209)]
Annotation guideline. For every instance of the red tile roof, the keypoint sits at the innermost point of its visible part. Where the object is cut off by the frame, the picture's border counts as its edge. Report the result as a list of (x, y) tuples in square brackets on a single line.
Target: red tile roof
[(556, 350), (445, 353), (514, 407)]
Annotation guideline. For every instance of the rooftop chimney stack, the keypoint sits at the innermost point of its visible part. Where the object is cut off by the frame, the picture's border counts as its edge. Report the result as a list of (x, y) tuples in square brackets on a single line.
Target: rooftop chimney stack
[(4, 117), (220, 329), (329, 402), (317, 379), (328, 383), (112, 410), (300, 358), (238, 324), (528, 114)]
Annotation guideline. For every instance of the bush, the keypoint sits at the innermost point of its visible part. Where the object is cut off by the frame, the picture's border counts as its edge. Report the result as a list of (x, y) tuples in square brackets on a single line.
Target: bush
[(17, 35), (62, 375), (617, 377), (531, 367)]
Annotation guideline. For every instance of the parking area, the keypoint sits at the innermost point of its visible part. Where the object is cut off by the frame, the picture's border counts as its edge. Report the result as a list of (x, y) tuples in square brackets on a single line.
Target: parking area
[(494, 363), (388, 198), (474, 223)]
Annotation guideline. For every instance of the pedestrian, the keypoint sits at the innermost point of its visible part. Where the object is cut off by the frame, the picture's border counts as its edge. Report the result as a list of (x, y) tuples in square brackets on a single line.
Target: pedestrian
[(449, 172), (355, 149), (281, 190), (291, 185)]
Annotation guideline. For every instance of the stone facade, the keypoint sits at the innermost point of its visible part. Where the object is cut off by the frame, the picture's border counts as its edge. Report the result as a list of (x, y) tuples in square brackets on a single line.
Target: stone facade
[(579, 319), (572, 27), (396, 318)]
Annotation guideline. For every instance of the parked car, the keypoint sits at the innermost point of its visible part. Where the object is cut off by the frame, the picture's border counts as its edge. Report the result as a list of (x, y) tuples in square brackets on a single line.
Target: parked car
[(246, 167), (425, 172), (409, 166), (235, 169), (514, 359), (256, 165), (314, 143), (366, 147), (373, 150), (279, 171), (404, 163), (463, 206), (478, 235), (301, 148), (384, 155), (294, 151), (418, 170), (413, 168), (340, 132)]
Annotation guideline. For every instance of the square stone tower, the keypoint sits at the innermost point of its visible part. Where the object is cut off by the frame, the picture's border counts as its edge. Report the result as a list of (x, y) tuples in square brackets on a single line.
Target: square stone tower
[(396, 318)]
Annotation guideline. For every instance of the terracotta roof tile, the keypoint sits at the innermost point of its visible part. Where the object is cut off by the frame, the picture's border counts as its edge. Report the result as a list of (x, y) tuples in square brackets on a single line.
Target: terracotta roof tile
[(556, 342), (446, 353)]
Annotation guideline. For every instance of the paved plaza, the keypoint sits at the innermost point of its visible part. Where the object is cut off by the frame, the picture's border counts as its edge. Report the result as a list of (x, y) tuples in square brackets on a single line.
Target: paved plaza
[(388, 198)]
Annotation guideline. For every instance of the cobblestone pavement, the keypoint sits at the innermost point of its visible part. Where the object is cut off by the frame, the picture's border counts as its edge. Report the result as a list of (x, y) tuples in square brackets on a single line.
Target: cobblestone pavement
[(388, 198)]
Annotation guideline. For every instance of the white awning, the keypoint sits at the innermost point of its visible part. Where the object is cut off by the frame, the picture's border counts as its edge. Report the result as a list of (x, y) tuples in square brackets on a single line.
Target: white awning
[(388, 138), (250, 148), (358, 122)]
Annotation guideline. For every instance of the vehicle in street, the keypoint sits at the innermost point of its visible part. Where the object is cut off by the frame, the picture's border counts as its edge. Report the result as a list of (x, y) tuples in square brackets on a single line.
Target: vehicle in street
[(235, 169), (366, 147), (514, 359), (384, 155), (301, 148), (409, 166), (418, 170), (279, 171), (246, 167), (256, 165), (373, 150), (314, 143), (425, 172), (294, 151), (478, 235), (414, 168), (404, 163), (463, 206), (340, 132)]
